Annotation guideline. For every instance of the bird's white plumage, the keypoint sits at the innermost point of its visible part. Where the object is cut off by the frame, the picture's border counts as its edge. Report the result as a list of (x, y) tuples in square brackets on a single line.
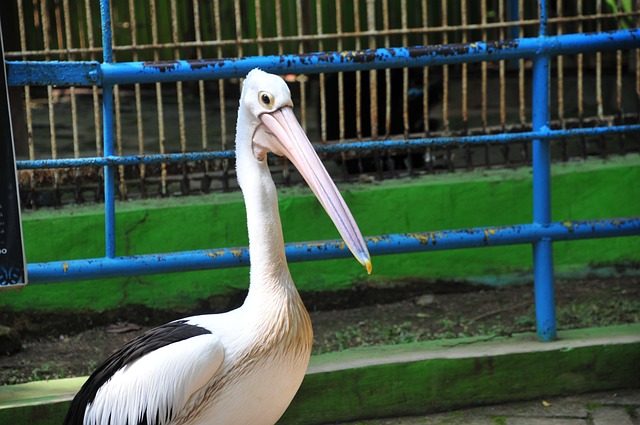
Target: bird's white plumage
[(251, 361), (178, 370)]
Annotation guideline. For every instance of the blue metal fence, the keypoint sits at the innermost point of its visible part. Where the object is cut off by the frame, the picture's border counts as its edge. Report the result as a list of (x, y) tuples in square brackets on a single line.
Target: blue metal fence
[(541, 233)]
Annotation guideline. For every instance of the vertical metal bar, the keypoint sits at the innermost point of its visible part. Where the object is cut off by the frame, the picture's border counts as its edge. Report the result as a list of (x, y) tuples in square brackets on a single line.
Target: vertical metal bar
[(81, 31), (373, 74), (258, 6), (445, 85), (27, 104), (74, 108), (118, 138), (483, 76), (445, 72), (583, 143), (58, 21), (72, 89), (373, 84), (560, 77), (341, 75), (302, 78), (138, 96), (118, 135), (388, 90), (468, 152), (503, 84), (94, 89), (286, 176), (405, 88), (599, 102), (44, 12), (600, 110), (107, 117), (356, 24), (425, 87), (405, 81), (387, 72), (238, 20), (278, 4), (341, 121), (159, 101), (221, 99), (542, 250), (521, 86), (621, 137), (323, 94), (205, 182), (184, 186)]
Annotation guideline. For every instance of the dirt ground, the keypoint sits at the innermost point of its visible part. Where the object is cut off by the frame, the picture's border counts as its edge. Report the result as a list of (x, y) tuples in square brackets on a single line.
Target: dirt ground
[(65, 345)]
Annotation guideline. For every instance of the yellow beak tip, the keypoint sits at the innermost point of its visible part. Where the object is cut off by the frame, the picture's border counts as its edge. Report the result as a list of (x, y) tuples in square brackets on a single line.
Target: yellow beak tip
[(368, 266)]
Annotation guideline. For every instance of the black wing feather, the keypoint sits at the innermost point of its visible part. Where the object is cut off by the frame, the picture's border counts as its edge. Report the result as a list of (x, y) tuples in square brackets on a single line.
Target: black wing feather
[(133, 350)]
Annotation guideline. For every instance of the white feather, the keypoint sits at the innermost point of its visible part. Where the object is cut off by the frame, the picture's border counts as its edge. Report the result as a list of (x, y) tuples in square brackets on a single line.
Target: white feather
[(158, 383)]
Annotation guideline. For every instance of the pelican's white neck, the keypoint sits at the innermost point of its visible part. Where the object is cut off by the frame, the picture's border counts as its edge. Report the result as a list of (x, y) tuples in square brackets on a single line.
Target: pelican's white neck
[(266, 243)]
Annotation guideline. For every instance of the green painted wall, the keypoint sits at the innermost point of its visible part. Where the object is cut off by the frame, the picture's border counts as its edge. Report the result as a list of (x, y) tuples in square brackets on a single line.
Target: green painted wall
[(585, 190)]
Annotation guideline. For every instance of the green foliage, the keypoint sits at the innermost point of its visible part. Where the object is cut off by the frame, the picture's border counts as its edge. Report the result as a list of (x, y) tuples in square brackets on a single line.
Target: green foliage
[(499, 420)]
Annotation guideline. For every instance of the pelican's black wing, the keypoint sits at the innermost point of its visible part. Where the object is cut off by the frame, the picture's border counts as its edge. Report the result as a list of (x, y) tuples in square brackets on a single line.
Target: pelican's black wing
[(130, 352)]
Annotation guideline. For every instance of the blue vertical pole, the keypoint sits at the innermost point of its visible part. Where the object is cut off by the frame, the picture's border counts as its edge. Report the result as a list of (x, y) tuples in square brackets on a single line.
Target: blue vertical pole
[(542, 249), (107, 121)]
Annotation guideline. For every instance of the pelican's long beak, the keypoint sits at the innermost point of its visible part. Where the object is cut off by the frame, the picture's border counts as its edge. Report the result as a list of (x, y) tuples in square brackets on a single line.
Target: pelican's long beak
[(291, 141)]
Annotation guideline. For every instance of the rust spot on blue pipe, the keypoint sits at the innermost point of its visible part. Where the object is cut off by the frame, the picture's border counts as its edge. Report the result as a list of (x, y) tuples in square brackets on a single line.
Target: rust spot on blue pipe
[(461, 49), (161, 66), (424, 238), (195, 64)]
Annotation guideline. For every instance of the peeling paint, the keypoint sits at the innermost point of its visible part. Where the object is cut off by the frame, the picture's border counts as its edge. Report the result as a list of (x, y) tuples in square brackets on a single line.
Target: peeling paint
[(237, 253), (162, 66), (64, 73), (568, 225)]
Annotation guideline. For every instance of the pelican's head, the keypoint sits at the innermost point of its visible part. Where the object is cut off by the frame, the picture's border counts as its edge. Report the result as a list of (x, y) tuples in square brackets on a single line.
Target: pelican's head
[(266, 100)]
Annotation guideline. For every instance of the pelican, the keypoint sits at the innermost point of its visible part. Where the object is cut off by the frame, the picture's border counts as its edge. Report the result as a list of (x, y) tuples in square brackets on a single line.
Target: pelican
[(243, 366)]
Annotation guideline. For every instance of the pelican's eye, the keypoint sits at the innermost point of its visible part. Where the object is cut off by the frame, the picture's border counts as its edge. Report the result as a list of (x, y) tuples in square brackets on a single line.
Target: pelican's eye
[(266, 100)]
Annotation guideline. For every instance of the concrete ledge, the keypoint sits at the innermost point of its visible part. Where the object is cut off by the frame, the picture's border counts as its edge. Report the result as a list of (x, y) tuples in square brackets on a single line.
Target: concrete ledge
[(415, 378)]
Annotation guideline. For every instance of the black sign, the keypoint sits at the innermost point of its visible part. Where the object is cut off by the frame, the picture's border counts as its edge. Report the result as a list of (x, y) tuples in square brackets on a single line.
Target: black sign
[(13, 272)]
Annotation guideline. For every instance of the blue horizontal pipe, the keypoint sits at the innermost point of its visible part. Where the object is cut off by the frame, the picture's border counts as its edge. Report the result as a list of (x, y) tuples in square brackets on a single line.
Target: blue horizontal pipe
[(99, 161), (92, 73), (55, 73), (333, 148), (379, 245)]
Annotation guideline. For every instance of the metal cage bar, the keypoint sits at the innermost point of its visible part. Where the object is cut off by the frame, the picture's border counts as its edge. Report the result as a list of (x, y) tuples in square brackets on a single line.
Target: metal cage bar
[(88, 73), (59, 271), (540, 49), (542, 248), (544, 134), (108, 135)]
